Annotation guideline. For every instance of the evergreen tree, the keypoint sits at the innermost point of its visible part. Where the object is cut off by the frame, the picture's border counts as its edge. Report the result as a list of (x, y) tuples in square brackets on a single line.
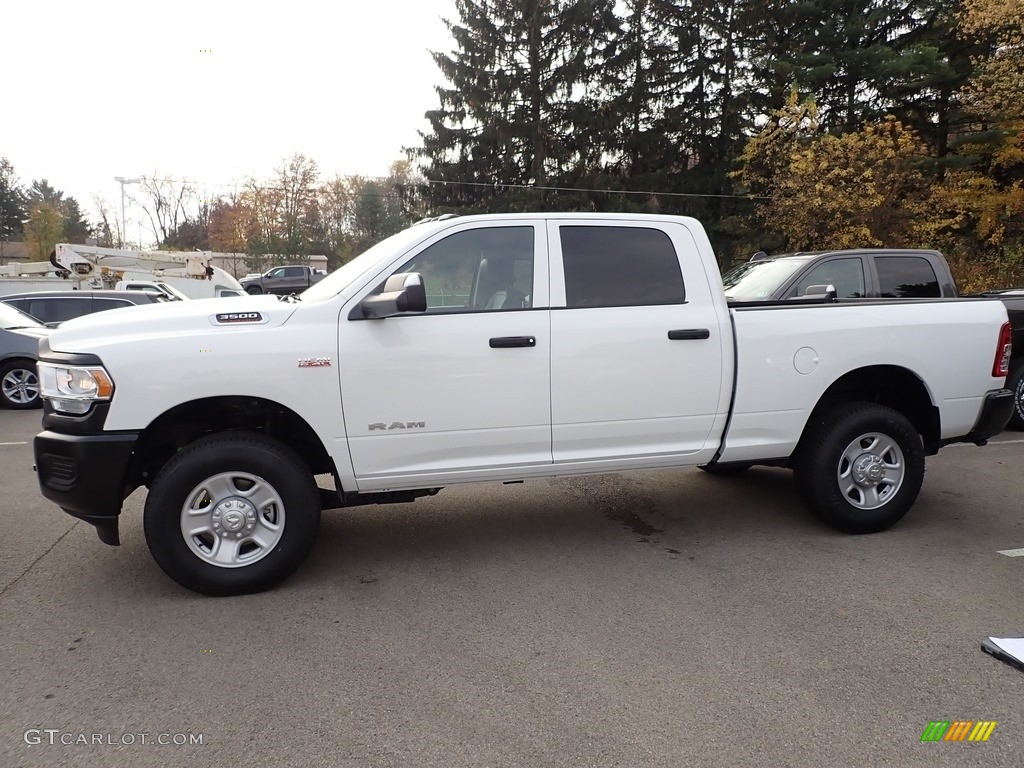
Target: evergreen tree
[(517, 94), (640, 86), (13, 205), (71, 222)]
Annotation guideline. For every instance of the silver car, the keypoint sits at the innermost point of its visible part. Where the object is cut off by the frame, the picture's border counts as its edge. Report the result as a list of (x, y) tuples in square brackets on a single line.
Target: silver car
[(19, 352)]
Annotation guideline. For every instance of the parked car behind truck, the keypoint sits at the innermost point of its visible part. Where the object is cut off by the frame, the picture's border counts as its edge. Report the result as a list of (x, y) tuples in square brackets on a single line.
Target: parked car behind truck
[(55, 307), (1013, 298), (586, 343), (283, 280), (868, 273), (19, 351)]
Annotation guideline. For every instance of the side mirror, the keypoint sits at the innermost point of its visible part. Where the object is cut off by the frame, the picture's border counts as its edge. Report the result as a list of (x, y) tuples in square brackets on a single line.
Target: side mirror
[(403, 292), (827, 292)]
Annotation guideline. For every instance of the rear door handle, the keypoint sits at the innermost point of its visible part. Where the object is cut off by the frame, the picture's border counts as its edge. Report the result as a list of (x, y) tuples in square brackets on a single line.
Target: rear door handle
[(502, 342), (689, 333)]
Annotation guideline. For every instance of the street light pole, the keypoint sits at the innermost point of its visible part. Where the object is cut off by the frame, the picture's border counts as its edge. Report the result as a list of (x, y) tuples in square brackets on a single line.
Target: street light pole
[(124, 181)]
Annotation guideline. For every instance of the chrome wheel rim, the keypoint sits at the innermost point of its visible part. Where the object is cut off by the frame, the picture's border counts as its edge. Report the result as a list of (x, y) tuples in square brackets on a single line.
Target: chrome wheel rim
[(1019, 400), (20, 386), (232, 519), (871, 471)]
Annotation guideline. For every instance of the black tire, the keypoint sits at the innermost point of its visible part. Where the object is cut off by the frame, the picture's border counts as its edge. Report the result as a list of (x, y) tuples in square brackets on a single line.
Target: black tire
[(272, 463), (19, 385), (726, 470), (254, 290), (848, 506), (1015, 383)]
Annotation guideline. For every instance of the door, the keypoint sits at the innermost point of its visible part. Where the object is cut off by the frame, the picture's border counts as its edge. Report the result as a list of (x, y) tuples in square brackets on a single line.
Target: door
[(296, 280), (636, 347), (464, 387)]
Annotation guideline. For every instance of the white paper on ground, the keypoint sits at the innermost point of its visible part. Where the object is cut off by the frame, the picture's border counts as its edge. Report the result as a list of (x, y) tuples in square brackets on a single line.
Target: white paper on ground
[(1011, 645)]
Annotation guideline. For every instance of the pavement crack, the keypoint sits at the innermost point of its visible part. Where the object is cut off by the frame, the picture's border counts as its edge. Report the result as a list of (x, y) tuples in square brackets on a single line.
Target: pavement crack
[(33, 563)]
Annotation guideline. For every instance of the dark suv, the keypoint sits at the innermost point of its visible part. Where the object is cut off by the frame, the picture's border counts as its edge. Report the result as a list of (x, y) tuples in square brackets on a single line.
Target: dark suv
[(54, 307)]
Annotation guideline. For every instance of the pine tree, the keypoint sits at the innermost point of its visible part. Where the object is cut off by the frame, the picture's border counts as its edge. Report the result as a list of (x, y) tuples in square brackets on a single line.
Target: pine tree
[(517, 107), (13, 205)]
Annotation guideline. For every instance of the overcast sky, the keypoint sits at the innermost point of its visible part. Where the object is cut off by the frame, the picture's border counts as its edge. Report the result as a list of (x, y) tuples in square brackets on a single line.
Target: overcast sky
[(212, 90)]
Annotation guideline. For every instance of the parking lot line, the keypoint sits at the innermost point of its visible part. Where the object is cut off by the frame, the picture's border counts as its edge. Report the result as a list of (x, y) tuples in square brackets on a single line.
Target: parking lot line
[(1011, 552), (23, 442)]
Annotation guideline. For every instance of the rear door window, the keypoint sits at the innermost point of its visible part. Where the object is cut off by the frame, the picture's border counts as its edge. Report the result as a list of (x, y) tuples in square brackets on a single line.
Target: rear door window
[(99, 305), (619, 267), (906, 277), (57, 310)]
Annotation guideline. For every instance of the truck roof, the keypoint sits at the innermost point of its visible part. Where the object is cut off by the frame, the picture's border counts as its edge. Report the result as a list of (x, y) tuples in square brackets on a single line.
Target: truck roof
[(807, 255)]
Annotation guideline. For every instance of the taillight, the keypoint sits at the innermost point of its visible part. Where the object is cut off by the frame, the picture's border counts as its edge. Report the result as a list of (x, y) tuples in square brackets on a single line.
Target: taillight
[(1001, 366)]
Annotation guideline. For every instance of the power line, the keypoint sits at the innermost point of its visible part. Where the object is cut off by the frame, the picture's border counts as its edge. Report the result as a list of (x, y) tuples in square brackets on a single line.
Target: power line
[(248, 183), (500, 185), (495, 185)]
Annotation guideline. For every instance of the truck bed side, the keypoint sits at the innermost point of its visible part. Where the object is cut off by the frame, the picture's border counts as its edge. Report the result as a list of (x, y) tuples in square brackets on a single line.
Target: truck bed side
[(789, 356)]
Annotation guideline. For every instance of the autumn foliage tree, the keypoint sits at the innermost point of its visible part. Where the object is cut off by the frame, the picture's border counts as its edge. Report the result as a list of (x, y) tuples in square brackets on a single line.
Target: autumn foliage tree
[(864, 188)]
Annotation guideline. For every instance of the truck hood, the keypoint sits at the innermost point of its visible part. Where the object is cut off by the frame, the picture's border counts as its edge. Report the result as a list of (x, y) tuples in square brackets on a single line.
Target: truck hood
[(198, 318)]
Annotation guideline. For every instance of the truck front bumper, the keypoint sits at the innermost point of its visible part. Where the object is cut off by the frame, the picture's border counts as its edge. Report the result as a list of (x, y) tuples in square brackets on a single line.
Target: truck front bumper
[(85, 475), (995, 412)]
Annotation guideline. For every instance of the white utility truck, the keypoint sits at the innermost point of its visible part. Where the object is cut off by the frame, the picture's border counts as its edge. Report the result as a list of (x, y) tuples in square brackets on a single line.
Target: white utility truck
[(72, 267), (583, 343)]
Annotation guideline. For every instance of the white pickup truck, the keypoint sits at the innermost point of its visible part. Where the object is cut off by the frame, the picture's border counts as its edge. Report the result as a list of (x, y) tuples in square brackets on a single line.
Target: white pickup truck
[(497, 348)]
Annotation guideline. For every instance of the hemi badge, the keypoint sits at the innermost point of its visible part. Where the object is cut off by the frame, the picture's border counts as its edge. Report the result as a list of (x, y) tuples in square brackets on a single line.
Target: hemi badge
[(314, 362)]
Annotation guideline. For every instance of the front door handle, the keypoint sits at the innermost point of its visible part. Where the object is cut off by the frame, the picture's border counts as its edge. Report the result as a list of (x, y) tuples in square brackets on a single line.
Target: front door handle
[(503, 342), (689, 333)]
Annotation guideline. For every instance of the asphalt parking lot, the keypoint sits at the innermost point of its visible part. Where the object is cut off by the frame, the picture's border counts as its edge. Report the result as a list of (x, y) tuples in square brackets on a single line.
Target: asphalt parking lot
[(662, 618)]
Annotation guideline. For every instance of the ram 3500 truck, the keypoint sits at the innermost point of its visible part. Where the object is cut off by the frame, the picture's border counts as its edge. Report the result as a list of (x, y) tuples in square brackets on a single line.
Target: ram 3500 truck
[(497, 348)]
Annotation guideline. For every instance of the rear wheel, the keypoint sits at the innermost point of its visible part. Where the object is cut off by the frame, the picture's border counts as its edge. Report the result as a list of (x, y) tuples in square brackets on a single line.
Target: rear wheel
[(860, 467), (254, 290), (19, 385), (1015, 383), (232, 514)]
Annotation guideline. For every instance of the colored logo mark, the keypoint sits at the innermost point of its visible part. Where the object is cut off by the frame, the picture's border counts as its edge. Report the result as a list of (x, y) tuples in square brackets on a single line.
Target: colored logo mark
[(958, 730)]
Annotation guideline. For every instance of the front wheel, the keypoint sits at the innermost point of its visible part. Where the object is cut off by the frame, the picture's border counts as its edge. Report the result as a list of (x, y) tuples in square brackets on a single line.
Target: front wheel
[(1015, 383), (232, 514), (860, 467)]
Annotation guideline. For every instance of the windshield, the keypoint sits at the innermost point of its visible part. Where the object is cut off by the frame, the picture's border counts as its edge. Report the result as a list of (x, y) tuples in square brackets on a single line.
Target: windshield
[(758, 280), (349, 272), (13, 318)]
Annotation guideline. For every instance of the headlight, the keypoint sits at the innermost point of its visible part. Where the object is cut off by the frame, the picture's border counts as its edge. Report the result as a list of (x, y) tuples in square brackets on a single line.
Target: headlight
[(73, 390)]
